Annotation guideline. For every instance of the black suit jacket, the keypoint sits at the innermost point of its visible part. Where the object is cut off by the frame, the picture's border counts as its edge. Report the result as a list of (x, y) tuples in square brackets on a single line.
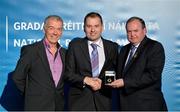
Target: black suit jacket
[(34, 79), (78, 65), (142, 77)]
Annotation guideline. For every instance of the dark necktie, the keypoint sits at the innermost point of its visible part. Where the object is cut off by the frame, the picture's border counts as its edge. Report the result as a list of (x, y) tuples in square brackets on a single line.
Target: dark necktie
[(94, 61)]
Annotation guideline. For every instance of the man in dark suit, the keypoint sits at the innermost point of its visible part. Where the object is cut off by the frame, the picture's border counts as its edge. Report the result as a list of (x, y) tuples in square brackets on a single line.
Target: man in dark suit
[(87, 60), (40, 69), (140, 64)]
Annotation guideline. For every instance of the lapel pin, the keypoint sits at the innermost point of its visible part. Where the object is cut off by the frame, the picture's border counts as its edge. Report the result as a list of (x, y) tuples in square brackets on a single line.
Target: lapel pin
[(135, 55)]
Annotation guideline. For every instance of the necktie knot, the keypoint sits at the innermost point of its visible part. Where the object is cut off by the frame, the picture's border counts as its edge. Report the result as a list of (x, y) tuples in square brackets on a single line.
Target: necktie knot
[(133, 48), (94, 46)]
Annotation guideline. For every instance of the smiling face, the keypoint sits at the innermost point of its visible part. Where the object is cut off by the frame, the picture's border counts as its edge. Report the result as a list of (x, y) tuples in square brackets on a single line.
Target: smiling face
[(53, 30), (135, 31), (93, 28)]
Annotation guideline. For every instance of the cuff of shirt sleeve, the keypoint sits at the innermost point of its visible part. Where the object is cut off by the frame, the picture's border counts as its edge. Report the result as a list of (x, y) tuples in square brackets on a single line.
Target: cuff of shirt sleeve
[(84, 84)]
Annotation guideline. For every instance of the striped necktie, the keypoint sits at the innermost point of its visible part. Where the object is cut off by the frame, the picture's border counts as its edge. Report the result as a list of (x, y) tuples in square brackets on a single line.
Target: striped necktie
[(133, 48), (94, 61)]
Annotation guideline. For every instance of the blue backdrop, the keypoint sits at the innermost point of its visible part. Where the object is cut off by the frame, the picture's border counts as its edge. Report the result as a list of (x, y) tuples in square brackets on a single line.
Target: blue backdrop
[(21, 23)]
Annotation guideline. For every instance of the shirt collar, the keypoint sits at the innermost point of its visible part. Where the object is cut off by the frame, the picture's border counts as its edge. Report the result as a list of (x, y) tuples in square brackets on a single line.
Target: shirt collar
[(98, 42), (136, 45), (47, 45)]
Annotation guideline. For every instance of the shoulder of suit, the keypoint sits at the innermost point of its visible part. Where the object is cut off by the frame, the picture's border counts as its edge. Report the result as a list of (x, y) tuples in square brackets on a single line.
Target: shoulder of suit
[(110, 42), (63, 49), (77, 41), (154, 43), (32, 46), (126, 46)]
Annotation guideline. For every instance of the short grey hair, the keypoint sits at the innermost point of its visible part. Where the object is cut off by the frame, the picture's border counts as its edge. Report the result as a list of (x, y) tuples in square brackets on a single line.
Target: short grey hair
[(56, 17)]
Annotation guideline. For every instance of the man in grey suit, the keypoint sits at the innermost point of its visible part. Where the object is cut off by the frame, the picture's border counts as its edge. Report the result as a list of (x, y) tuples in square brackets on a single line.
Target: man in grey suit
[(140, 64), (40, 70), (87, 60)]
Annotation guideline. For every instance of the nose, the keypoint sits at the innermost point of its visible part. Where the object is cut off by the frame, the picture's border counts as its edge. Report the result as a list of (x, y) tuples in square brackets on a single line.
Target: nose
[(55, 31), (92, 29), (131, 34)]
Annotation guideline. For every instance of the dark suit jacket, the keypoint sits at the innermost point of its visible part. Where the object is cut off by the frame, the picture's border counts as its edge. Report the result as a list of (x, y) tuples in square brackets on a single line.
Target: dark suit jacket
[(34, 79), (142, 77), (78, 65)]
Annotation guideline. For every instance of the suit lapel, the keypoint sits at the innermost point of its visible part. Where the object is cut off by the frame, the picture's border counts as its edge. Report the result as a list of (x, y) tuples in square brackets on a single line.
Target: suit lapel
[(85, 49), (62, 53), (106, 53), (43, 56), (127, 49), (137, 53)]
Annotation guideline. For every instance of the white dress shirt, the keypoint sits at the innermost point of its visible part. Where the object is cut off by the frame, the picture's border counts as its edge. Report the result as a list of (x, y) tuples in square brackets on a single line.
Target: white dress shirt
[(101, 54)]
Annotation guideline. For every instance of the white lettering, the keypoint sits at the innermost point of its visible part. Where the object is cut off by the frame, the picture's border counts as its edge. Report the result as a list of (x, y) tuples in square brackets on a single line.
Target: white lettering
[(22, 42), (73, 25), (28, 26), (152, 26), (17, 26), (116, 26)]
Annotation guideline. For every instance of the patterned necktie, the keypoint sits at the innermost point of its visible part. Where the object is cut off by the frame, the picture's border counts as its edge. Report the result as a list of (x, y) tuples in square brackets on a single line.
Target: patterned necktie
[(94, 61), (131, 54)]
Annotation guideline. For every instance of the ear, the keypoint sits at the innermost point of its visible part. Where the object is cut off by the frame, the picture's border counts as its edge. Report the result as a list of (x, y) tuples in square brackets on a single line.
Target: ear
[(145, 30), (43, 29), (103, 27), (84, 28)]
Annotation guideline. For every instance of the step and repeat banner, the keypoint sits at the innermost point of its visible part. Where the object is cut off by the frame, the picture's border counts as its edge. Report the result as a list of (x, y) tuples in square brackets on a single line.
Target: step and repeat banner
[(21, 23)]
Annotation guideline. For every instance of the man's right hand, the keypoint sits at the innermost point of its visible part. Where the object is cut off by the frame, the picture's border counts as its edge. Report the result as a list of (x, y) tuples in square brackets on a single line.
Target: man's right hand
[(94, 83)]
